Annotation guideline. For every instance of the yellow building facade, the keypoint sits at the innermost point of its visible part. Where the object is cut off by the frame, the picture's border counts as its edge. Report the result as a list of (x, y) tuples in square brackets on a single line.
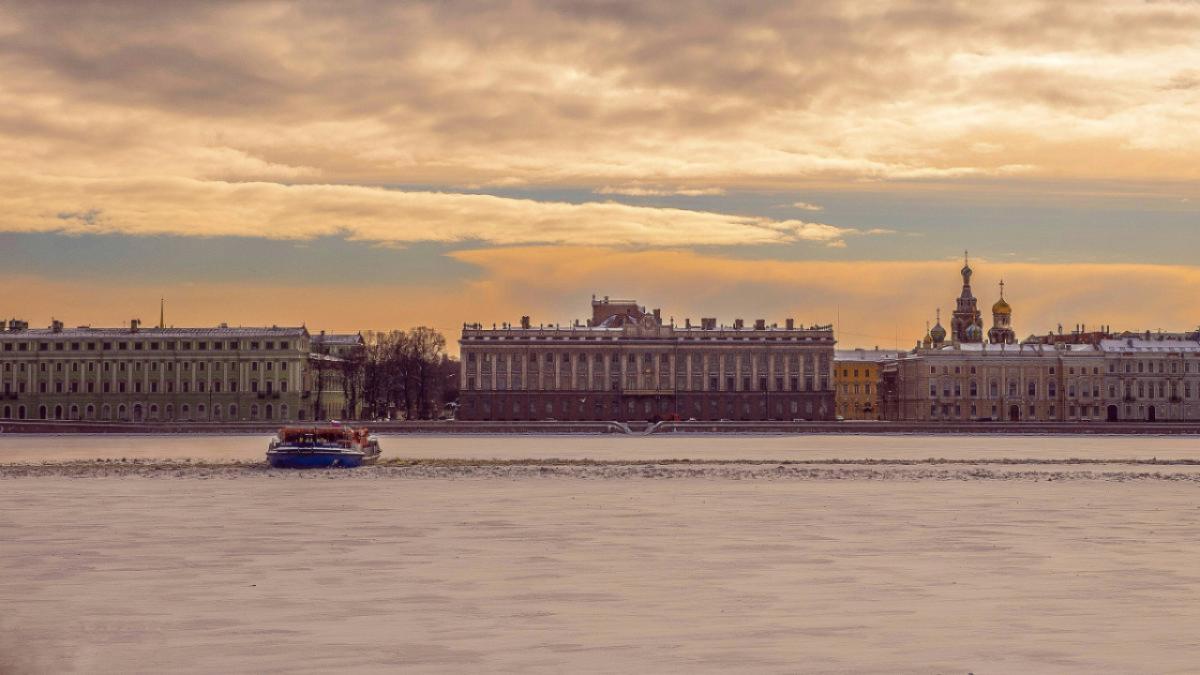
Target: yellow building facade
[(856, 376)]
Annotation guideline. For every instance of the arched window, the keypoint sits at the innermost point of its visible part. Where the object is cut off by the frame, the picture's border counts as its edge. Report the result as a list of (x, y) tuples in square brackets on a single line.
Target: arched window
[(268, 410), (153, 411), (74, 412), (283, 411), (7, 412), (200, 411), (90, 411), (170, 411), (254, 411), (185, 412), (106, 412), (58, 412), (216, 411), (20, 412), (233, 411), (121, 412)]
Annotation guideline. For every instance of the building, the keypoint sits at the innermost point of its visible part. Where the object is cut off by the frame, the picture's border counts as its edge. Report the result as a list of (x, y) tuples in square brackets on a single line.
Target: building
[(1152, 378), (342, 345), (1000, 382), (1081, 377), (337, 372), (966, 325), (625, 363), (857, 379), (162, 374)]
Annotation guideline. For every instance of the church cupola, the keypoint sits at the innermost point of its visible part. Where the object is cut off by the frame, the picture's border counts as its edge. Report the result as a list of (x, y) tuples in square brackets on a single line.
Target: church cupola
[(1002, 331), (938, 334)]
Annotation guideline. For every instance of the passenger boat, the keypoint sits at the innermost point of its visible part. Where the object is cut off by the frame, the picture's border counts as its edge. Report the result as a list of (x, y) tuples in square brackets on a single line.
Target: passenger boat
[(321, 447)]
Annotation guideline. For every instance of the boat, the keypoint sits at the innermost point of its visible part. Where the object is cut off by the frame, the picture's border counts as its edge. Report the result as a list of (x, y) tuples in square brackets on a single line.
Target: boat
[(322, 447)]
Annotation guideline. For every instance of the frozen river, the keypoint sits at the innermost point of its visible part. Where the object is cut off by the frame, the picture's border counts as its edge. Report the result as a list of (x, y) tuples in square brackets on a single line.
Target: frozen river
[(39, 448)]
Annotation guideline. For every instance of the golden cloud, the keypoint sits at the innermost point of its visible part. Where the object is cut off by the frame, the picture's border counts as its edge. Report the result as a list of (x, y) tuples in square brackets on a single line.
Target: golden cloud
[(189, 207), (613, 94)]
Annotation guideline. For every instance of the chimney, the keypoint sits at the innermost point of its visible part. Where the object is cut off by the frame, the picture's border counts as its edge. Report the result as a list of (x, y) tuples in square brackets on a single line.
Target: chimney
[(760, 324), (791, 324), (134, 325), (56, 326), (525, 322), (687, 323), (708, 323), (738, 324), (657, 315)]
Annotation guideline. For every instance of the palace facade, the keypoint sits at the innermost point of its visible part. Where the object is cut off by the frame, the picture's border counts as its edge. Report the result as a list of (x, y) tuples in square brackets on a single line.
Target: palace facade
[(141, 374), (625, 363), (1083, 377)]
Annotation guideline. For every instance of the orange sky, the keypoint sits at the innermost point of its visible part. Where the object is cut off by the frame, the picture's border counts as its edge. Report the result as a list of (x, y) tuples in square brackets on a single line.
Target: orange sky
[(872, 300)]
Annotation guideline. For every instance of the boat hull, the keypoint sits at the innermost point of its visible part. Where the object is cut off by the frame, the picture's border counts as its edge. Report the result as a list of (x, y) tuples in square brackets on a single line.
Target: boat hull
[(317, 459)]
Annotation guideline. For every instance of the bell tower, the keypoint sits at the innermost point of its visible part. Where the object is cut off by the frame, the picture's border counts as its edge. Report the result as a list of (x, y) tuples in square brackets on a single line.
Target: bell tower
[(966, 324)]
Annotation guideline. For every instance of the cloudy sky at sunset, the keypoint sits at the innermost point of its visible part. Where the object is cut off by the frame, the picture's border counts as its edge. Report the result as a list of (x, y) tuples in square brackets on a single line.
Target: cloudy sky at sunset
[(375, 165)]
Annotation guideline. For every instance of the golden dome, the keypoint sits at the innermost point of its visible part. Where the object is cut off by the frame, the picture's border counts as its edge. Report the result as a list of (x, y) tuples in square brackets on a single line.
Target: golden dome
[(1001, 307)]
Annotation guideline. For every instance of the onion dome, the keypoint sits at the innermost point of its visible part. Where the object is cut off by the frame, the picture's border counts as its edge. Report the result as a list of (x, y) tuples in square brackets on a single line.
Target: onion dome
[(938, 333), (1002, 307)]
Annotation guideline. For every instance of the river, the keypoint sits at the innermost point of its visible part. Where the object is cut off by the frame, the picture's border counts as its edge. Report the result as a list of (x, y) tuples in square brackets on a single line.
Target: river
[(54, 448)]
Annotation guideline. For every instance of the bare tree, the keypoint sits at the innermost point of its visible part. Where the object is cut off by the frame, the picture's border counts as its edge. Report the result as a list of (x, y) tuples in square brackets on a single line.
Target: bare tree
[(405, 372)]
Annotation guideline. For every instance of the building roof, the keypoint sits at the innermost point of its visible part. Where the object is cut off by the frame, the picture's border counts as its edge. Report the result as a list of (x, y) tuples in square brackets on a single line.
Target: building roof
[(870, 355), (347, 339), (1150, 346), (112, 333)]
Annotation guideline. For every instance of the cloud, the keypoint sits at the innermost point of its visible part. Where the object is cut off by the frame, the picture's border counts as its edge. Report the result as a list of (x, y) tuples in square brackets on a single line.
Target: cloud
[(638, 191), (190, 207), (617, 96), (805, 206)]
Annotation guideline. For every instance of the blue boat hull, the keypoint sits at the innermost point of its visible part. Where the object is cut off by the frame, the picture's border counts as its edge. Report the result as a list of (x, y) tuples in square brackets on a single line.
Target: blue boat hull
[(315, 459)]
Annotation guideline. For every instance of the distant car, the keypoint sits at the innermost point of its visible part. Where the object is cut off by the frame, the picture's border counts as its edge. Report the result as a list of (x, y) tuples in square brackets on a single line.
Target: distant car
[(840, 418), (691, 419)]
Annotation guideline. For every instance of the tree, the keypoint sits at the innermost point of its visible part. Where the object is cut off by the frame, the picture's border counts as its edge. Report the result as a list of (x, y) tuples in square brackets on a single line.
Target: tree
[(404, 372)]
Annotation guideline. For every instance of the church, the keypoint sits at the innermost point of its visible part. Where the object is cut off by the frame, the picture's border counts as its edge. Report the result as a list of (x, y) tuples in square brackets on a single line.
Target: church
[(966, 323)]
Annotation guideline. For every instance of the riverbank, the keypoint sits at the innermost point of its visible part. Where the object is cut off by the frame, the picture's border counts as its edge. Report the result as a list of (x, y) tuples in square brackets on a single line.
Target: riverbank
[(453, 427)]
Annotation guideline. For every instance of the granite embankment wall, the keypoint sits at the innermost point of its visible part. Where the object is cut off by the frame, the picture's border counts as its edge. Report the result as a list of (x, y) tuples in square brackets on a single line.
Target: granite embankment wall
[(1034, 428)]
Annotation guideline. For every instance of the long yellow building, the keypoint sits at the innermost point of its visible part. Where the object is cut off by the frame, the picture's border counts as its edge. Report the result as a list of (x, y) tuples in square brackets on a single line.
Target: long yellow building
[(141, 374)]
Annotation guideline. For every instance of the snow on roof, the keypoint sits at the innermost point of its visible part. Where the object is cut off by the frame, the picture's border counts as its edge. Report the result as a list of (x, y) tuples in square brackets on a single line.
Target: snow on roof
[(337, 338), (867, 355), (1150, 346), (89, 332)]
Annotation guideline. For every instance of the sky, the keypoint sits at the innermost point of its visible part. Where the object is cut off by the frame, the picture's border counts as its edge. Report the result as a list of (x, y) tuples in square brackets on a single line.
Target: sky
[(371, 165)]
